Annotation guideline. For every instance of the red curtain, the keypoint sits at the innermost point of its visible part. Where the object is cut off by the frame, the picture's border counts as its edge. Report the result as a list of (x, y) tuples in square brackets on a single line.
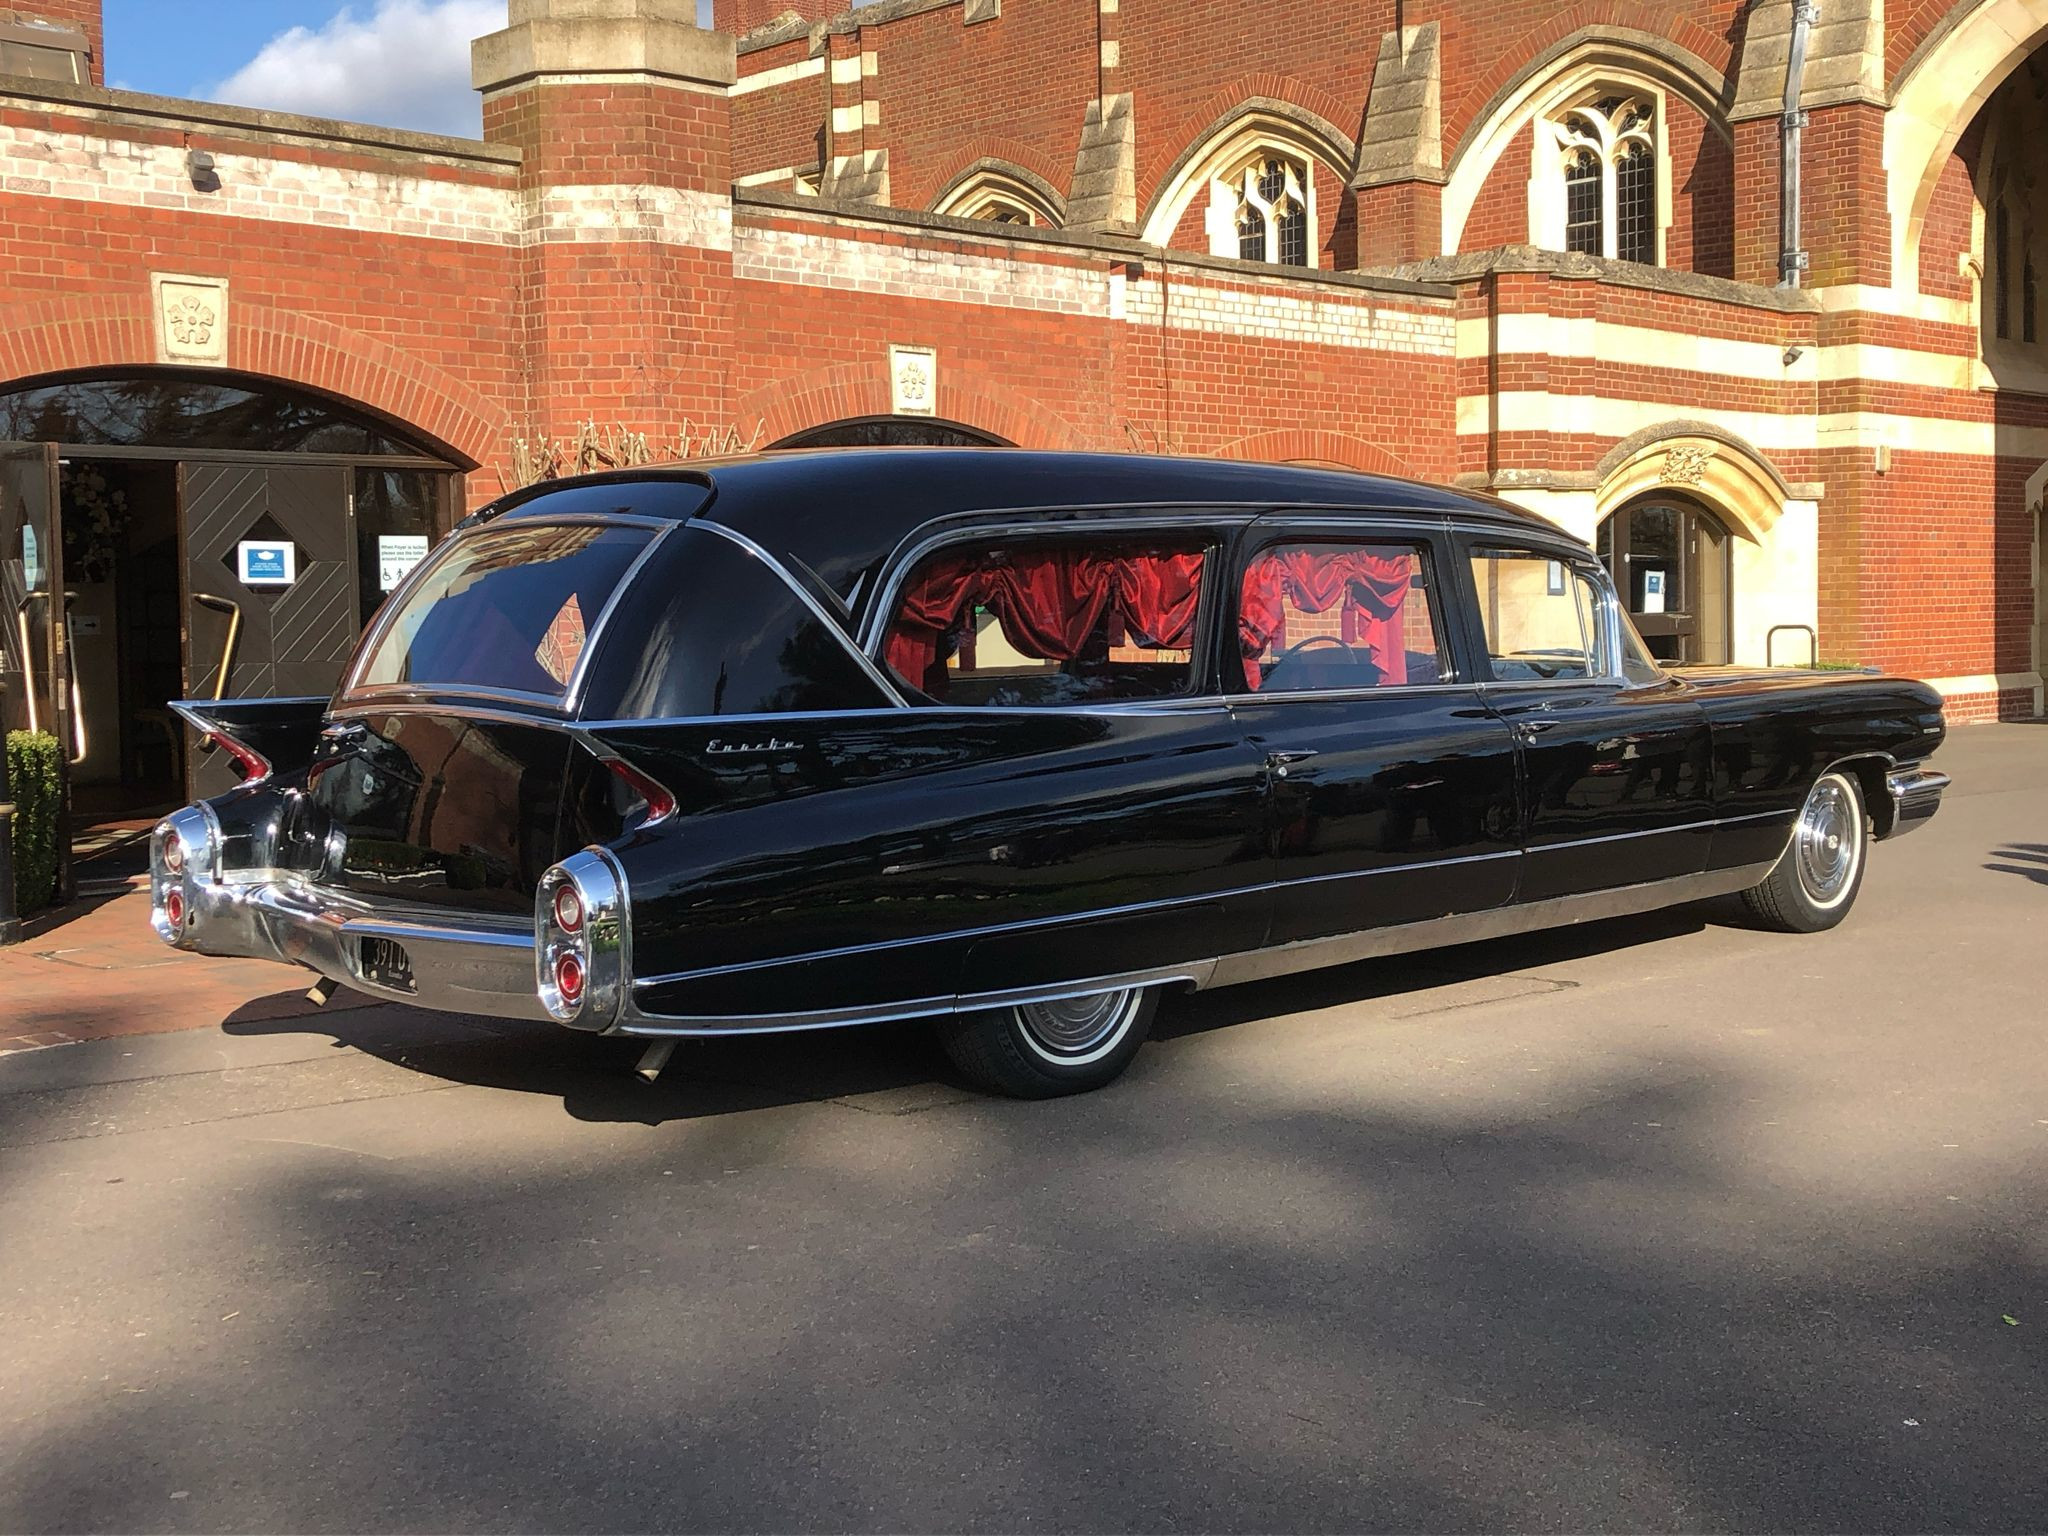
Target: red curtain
[(1371, 587), (1050, 603)]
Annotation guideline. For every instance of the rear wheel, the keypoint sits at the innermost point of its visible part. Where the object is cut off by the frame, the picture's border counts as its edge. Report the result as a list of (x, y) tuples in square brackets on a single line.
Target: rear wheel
[(1814, 883), (1045, 1050)]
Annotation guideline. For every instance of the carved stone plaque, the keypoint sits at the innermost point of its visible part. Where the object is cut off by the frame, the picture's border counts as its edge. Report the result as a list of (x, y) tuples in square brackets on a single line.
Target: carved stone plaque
[(914, 381), (191, 318)]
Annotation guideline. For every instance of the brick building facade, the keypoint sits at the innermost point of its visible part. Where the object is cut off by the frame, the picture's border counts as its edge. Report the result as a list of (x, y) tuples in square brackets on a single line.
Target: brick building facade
[(1532, 248)]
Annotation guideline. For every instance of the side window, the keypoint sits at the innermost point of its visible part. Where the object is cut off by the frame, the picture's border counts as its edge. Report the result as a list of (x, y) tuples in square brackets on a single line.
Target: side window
[(1338, 615), (1543, 618), (710, 630), (1048, 622)]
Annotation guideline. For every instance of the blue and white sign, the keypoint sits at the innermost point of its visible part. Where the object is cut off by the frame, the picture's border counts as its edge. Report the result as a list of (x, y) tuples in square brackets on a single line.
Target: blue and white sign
[(31, 559), (261, 564)]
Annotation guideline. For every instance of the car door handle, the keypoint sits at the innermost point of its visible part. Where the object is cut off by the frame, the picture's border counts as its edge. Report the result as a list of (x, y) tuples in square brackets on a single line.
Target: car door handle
[(1535, 727), (1280, 762)]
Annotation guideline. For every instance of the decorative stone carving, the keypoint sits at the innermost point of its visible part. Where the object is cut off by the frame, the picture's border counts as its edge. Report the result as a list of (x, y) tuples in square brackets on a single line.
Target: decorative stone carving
[(914, 381), (191, 319), (1686, 464)]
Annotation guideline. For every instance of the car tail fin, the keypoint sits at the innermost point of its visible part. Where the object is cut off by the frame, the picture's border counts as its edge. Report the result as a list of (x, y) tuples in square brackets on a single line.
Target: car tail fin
[(263, 736)]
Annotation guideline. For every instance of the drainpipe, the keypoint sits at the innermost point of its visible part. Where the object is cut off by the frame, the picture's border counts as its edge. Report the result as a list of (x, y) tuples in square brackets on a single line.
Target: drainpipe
[(1792, 258)]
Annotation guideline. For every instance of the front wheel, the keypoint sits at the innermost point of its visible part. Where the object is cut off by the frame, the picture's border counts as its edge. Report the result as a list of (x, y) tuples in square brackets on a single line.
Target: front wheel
[(1046, 1050), (1815, 881)]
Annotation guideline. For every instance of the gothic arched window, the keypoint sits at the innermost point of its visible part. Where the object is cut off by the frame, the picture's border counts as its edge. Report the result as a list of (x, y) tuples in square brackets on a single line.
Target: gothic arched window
[(1271, 196), (1607, 170)]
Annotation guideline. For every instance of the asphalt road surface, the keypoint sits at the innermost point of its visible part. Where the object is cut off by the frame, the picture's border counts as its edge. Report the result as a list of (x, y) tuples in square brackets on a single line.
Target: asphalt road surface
[(1655, 1224)]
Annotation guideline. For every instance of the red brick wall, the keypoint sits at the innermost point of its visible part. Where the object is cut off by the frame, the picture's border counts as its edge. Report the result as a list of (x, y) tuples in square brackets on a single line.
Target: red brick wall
[(1017, 87), (743, 16), (1946, 236), (779, 125), (1702, 233), (80, 15), (1845, 227), (1500, 216)]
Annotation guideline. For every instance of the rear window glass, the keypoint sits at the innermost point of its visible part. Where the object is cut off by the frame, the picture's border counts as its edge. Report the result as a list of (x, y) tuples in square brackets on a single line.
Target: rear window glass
[(1055, 622), (506, 608)]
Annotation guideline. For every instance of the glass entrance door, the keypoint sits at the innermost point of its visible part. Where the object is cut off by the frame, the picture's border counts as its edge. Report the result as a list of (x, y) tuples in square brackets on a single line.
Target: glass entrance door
[(1670, 562)]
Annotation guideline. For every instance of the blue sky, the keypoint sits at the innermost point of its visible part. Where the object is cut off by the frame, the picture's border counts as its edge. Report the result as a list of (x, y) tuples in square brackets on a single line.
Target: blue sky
[(396, 63)]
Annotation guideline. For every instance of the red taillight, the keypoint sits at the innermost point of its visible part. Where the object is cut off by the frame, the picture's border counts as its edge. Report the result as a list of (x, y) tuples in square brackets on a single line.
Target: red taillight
[(660, 803), (569, 979), (568, 909), (253, 764), (174, 909), (174, 854)]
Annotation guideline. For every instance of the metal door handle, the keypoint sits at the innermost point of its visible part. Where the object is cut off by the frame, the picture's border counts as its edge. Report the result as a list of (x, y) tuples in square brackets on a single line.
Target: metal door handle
[(1536, 727), (1279, 762), (234, 635)]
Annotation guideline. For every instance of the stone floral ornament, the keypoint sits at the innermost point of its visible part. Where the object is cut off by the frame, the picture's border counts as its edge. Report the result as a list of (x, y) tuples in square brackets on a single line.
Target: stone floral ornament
[(191, 320), (1686, 464)]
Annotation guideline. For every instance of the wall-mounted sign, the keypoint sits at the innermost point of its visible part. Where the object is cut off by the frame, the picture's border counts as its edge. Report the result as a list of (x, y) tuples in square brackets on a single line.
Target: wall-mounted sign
[(85, 626), (398, 553), (262, 564), (1653, 591), (1556, 587), (31, 559)]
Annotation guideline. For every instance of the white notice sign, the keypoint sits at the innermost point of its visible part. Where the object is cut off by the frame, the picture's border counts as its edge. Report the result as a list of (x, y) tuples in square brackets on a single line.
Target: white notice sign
[(398, 553), (1653, 591), (31, 559)]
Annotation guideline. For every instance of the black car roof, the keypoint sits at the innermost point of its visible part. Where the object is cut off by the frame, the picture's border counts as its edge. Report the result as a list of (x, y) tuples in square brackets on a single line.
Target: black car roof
[(843, 510)]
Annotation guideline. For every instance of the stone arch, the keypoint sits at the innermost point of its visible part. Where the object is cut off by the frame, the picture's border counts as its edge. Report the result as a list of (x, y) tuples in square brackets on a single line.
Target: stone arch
[(850, 391), (1701, 460), (1296, 445), (1937, 93), (1005, 178), (114, 331), (1296, 116), (1571, 62)]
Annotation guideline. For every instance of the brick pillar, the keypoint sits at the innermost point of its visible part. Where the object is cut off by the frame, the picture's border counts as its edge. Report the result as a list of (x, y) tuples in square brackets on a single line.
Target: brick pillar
[(856, 164), (620, 108), (84, 16)]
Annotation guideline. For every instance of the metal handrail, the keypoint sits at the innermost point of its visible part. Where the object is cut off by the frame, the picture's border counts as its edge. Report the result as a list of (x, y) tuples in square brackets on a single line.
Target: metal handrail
[(1812, 643), (227, 651)]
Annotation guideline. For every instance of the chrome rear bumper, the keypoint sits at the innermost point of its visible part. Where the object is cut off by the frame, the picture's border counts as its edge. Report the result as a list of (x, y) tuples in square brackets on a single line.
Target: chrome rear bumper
[(1916, 796), (460, 964)]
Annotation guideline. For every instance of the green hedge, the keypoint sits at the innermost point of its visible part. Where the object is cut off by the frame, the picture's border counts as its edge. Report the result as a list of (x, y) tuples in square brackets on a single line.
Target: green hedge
[(33, 767)]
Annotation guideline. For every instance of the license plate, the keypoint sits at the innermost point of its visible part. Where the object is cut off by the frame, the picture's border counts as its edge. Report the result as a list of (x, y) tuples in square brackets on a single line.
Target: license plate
[(386, 964)]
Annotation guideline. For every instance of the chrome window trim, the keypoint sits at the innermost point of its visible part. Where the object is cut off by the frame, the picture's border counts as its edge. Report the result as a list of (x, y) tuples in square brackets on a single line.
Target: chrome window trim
[(1581, 561), (1370, 523), (961, 528), (570, 699), (875, 674)]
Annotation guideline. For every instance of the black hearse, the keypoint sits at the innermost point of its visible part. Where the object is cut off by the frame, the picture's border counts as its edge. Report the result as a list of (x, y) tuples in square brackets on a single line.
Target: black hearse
[(1012, 741)]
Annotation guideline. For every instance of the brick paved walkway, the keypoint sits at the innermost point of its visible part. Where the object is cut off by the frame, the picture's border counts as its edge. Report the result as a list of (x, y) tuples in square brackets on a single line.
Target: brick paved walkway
[(96, 970)]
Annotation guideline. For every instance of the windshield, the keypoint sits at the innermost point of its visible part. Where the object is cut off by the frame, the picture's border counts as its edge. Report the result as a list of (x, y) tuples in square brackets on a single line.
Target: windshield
[(508, 609)]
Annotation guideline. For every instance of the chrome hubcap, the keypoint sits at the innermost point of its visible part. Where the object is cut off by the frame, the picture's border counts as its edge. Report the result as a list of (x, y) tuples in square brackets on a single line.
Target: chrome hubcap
[(1075, 1026), (1827, 841)]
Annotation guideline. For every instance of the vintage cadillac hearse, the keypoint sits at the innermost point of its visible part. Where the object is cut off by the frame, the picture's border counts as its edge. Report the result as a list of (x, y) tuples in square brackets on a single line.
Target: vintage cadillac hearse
[(1011, 741)]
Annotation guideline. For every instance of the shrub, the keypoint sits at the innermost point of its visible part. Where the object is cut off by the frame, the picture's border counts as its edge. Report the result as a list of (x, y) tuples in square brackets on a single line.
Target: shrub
[(34, 772)]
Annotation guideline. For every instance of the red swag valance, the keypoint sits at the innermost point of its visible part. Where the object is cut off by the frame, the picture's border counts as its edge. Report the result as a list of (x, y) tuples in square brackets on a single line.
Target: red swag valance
[(1371, 587), (1050, 602)]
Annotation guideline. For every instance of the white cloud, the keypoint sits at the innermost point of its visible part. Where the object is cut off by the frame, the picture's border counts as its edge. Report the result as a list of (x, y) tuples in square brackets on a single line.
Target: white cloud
[(405, 65)]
